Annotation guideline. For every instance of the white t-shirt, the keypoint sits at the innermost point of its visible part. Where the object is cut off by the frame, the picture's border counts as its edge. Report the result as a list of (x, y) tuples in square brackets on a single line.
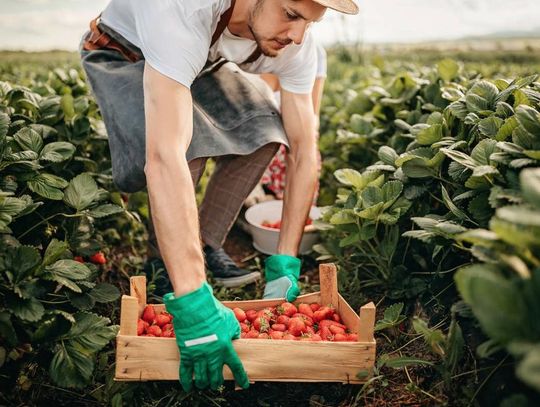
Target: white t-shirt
[(175, 35)]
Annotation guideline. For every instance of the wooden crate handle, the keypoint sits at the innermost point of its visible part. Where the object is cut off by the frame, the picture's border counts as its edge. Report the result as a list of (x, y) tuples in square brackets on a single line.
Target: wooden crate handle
[(137, 289), (366, 325), (328, 282), (129, 314)]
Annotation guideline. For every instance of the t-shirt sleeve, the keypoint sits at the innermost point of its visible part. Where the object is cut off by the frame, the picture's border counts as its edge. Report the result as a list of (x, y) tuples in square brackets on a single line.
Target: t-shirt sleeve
[(321, 61), (173, 39), (297, 75)]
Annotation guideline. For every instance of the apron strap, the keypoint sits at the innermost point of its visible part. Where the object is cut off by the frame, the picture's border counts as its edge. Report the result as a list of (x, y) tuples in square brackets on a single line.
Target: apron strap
[(222, 24)]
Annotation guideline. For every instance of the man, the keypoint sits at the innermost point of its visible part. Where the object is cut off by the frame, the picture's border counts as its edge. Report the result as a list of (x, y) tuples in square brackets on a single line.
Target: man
[(143, 57)]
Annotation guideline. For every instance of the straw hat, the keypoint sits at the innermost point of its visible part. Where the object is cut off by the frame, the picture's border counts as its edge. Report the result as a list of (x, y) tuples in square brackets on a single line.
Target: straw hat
[(343, 6)]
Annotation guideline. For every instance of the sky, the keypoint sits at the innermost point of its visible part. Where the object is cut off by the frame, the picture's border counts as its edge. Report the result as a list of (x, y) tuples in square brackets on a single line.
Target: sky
[(58, 24)]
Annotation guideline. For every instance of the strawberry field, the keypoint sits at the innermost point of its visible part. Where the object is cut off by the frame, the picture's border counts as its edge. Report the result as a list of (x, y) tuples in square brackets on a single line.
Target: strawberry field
[(431, 195)]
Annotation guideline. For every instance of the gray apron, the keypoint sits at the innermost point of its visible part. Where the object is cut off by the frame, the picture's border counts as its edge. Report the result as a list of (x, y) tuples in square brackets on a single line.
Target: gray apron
[(233, 112)]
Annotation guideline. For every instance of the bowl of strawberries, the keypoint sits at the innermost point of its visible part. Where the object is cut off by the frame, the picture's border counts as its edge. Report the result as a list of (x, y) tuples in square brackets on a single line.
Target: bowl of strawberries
[(264, 220)]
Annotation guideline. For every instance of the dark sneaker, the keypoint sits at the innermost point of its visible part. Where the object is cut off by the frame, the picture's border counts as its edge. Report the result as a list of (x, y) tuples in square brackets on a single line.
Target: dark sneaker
[(225, 271)]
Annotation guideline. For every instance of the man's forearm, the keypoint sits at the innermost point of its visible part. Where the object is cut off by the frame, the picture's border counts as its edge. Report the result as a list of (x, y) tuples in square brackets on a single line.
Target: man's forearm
[(175, 218), (300, 187)]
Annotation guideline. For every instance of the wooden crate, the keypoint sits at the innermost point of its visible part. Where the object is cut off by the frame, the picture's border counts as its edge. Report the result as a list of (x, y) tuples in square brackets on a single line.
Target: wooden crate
[(141, 358)]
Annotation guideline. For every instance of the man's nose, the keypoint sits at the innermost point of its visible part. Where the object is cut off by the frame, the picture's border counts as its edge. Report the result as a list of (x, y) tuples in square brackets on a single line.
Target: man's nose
[(297, 31)]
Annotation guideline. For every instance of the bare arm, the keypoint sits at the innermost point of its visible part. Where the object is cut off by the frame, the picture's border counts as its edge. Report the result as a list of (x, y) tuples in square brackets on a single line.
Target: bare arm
[(299, 123), (169, 127)]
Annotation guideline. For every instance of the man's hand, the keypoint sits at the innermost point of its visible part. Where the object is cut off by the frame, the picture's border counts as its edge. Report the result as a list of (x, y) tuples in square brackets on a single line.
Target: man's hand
[(282, 273), (204, 329)]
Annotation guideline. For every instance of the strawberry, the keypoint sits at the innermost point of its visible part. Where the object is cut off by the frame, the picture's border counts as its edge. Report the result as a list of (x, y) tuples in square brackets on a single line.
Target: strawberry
[(148, 335), (276, 335), (314, 306), (289, 336), (167, 334), (141, 326), (283, 319), (264, 335), (297, 326), (267, 313), (336, 329), (287, 309), (162, 320), (279, 327), (307, 320), (79, 259), (305, 309), (316, 338), (336, 317), (98, 258), (252, 334), (149, 314), (325, 333), (244, 327), (251, 314), (167, 327), (239, 314), (261, 324), (154, 330), (310, 330), (340, 338), (329, 322), (352, 337)]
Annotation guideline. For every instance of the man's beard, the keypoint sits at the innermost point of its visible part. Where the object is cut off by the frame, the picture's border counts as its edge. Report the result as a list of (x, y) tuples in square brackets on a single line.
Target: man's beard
[(266, 51)]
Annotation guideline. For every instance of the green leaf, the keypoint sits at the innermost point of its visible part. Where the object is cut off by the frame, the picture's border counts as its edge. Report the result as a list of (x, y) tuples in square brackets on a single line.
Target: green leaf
[(495, 301), (529, 119), (371, 196), (489, 127), (343, 217), (387, 155), (349, 240), (371, 212), (50, 327), (57, 152), (451, 206), (67, 272), (481, 97), (392, 317), (48, 186), (4, 126), (105, 292), (28, 139), (105, 210), (7, 332), (81, 192), (27, 309), (67, 106), (391, 190), (433, 337), (483, 150), (448, 69), (430, 135), (54, 251), (507, 129), (404, 361), (528, 369), (71, 367), (350, 177), (530, 185)]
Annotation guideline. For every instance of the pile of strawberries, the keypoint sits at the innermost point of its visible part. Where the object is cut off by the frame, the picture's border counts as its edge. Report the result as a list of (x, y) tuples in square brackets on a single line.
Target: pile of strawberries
[(152, 324), (277, 223), (308, 322)]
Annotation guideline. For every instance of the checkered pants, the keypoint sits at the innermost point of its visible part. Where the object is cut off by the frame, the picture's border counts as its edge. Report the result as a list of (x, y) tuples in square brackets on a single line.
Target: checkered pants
[(233, 179)]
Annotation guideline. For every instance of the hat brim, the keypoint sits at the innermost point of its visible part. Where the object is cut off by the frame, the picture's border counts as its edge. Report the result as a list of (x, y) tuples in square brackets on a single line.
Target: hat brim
[(343, 6)]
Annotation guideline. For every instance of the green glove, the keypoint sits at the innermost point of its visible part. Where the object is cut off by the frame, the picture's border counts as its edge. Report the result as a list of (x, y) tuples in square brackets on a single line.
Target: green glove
[(282, 272), (204, 329)]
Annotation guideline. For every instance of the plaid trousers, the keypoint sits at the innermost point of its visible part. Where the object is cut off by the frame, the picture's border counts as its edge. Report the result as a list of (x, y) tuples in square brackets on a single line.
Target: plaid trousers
[(233, 179)]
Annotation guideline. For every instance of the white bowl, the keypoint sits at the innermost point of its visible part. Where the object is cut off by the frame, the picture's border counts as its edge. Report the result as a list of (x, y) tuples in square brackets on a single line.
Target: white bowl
[(265, 239)]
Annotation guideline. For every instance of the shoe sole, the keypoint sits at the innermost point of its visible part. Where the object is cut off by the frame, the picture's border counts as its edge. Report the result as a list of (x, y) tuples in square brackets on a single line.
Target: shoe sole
[(232, 282)]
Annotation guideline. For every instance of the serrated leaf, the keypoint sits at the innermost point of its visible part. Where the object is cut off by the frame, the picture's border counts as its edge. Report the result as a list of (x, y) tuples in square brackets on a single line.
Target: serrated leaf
[(57, 152), (448, 69), (489, 127), (530, 185), (48, 186), (350, 177), (104, 292), (81, 192), (387, 155), (529, 119), (27, 309), (54, 251), (105, 210), (451, 206), (28, 139)]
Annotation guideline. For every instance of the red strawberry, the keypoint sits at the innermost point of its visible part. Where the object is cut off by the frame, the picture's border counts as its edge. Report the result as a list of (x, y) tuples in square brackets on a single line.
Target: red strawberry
[(167, 327), (279, 327), (252, 334), (297, 326), (316, 338), (239, 314), (307, 320), (141, 326), (167, 334), (336, 330), (148, 335), (264, 335), (244, 327), (287, 309), (267, 313), (162, 320), (336, 317), (340, 338), (79, 259), (283, 319), (352, 337), (154, 330), (305, 309), (261, 324), (314, 306), (276, 335), (310, 330), (149, 314), (98, 258), (330, 322), (289, 336), (325, 333), (251, 314)]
